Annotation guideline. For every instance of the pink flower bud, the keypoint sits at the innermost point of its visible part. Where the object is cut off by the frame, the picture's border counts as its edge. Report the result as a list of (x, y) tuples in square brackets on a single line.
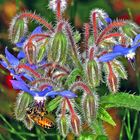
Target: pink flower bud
[(17, 29), (75, 124), (89, 104), (30, 50), (58, 49), (93, 73), (63, 125)]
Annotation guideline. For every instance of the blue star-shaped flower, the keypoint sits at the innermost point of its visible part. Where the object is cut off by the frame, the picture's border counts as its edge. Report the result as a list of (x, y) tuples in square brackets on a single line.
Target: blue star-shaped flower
[(21, 54), (119, 50), (21, 85), (12, 63), (102, 25)]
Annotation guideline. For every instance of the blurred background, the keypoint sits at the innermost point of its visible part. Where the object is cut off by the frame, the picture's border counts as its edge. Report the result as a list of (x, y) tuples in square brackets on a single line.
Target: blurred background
[(77, 13)]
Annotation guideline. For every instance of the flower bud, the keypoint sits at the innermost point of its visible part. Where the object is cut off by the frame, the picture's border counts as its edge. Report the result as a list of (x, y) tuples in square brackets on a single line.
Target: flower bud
[(41, 53), (17, 29), (63, 125), (111, 77), (119, 69), (30, 51), (23, 101), (89, 107), (112, 81), (75, 124), (28, 123), (58, 49), (130, 29), (93, 73)]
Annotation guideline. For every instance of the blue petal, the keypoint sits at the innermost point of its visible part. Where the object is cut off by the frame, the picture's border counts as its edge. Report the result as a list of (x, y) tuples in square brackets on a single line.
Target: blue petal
[(21, 43), (30, 78), (133, 49), (12, 59), (120, 49), (4, 64), (101, 25), (20, 85), (43, 93), (108, 57), (108, 20), (68, 94), (21, 55), (52, 93), (137, 38), (37, 30)]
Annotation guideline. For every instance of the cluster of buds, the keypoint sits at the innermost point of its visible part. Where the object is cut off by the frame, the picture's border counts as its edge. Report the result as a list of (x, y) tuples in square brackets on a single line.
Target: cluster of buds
[(48, 65)]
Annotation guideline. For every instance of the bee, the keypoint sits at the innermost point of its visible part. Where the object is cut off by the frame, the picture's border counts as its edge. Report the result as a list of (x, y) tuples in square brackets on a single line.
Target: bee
[(37, 114)]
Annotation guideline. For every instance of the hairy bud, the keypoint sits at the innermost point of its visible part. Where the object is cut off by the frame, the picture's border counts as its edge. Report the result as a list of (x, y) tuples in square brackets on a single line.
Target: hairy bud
[(30, 51), (17, 29), (75, 124), (28, 123), (130, 29), (23, 100), (93, 73), (89, 107), (58, 49), (63, 125), (41, 53)]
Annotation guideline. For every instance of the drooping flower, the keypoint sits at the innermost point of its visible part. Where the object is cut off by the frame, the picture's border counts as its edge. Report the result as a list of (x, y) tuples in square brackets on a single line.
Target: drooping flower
[(19, 84), (11, 63), (23, 40), (119, 50)]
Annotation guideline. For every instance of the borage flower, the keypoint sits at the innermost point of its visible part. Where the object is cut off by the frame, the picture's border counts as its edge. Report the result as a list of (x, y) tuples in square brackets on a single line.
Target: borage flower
[(11, 63), (119, 50), (19, 84), (23, 40)]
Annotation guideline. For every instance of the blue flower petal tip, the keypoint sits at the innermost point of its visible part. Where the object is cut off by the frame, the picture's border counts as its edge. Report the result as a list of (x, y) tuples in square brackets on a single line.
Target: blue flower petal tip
[(119, 50), (11, 58), (37, 30), (68, 94)]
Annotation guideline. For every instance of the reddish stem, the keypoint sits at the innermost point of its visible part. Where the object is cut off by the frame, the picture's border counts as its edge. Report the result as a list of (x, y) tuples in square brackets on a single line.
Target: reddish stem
[(82, 85), (58, 12), (63, 108), (59, 75), (42, 87), (23, 66), (91, 53), (87, 27), (69, 33), (60, 26), (123, 40), (54, 65), (38, 35), (44, 80), (94, 23), (70, 107), (38, 18), (110, 68), (108, 28)]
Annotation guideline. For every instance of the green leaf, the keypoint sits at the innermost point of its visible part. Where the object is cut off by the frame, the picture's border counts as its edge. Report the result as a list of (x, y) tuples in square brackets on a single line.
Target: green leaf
[(105, 116), (53, 104), (72, 76), (89, 136), (102, 137), (121, 99)]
